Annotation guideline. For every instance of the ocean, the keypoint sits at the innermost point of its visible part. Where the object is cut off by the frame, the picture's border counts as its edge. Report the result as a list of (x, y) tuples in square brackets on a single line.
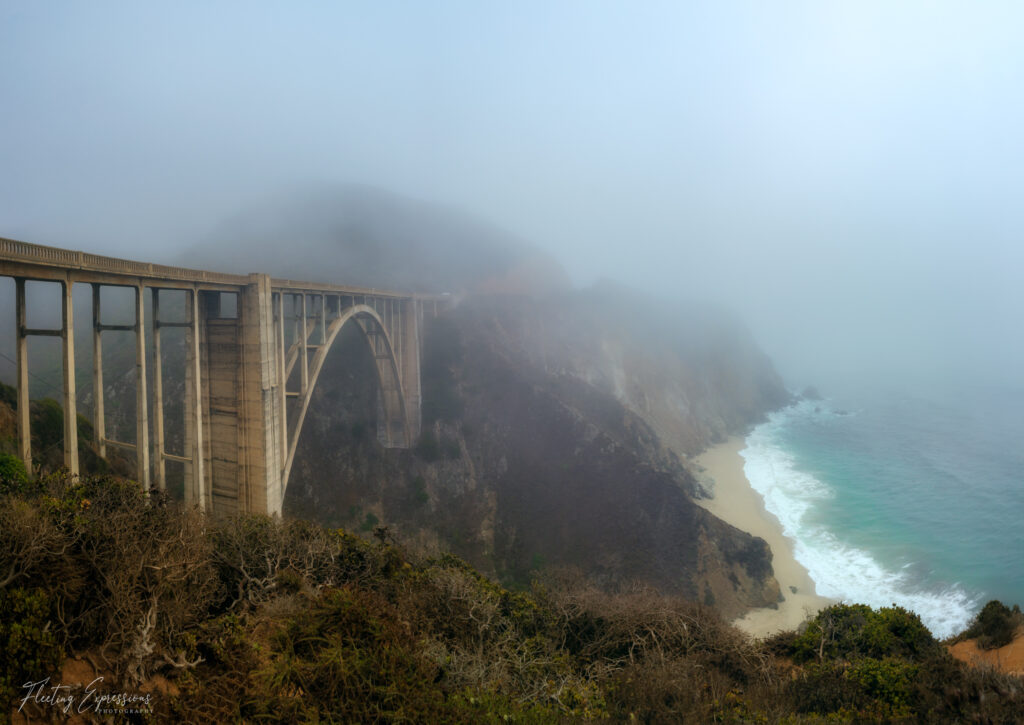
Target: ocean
[(911, 496)]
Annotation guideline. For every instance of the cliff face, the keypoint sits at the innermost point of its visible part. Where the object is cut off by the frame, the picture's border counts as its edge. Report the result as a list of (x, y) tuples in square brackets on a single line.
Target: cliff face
[(543, 446), (692, 372)]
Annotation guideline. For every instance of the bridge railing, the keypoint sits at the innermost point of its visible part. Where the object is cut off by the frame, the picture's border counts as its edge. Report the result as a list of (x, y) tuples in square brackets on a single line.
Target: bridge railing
[(291, 286), (24, 252), (55, 257)]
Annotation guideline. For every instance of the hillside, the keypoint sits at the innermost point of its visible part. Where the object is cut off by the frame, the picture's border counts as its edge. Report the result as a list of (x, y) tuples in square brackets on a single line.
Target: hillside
[(148, 613)]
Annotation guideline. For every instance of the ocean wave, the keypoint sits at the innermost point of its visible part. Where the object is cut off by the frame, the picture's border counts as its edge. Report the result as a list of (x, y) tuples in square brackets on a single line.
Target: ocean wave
[(839, 571)]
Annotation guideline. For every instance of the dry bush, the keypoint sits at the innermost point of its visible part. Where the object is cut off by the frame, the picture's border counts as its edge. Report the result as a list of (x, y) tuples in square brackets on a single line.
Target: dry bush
[(30, 543), (218, 688), (346, 655), (640, 624), (29, 651), (472, 634), (259, 558), (677, 690), (662, 658), (491, 640), (150, 573), (128, 575)]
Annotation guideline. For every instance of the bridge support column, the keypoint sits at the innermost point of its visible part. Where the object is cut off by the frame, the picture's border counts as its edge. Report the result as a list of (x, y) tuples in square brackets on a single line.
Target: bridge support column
[(67, 334), (141, 397), (159, 443), (24, 414), (68, 395), (195, 474), (410, 314), (260, 411), (304, 347), (98, 423), (281, 378)]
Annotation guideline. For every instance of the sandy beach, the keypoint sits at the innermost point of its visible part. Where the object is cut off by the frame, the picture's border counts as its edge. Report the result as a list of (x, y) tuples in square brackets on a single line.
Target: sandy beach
[(740, 505)]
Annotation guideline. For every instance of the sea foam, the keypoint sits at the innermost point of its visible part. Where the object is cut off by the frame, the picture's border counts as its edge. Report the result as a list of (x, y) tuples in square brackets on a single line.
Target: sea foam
[(839, 570)]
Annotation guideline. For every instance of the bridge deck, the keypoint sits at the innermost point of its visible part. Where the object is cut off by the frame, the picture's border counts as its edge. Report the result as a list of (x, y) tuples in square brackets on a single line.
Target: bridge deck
[(26, 259)]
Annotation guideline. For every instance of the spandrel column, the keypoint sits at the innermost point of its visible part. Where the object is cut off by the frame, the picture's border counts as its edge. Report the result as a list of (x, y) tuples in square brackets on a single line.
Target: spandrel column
[(158, 398), (24, 416), (67, 335), (141, 398), (195, 481), (98, 422)]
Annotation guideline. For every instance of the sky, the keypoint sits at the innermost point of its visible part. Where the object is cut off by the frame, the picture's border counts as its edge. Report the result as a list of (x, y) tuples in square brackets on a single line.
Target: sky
[(847, 176)]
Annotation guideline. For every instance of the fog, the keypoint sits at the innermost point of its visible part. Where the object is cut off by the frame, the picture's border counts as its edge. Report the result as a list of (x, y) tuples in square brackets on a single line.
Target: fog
[(846, 176)]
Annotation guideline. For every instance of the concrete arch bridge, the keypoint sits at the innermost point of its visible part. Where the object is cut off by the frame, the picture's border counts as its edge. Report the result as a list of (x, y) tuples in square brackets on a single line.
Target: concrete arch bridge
[(254, 350)]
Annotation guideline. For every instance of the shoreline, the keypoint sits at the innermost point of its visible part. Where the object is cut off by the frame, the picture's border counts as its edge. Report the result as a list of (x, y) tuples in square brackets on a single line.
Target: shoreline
[(737, 503)]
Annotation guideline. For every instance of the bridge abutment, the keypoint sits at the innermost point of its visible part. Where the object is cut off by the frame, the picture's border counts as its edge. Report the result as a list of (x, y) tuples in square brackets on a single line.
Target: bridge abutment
[(241, 403)]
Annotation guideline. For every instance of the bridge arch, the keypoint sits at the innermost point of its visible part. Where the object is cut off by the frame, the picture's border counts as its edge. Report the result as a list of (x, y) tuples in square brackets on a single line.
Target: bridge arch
[(393, 410)]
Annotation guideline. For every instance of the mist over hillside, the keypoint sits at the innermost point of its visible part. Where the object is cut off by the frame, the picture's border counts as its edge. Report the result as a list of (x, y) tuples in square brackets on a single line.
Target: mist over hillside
[(368, 237), (691, 369)]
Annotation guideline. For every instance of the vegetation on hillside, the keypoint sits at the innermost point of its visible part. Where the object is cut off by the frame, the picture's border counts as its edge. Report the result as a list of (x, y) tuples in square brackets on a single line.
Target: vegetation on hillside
[(995, 625), (252, 619), (46, 421)]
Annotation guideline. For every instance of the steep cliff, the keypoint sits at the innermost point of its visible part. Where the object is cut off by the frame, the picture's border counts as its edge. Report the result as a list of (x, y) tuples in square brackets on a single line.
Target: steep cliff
[(542, 449)]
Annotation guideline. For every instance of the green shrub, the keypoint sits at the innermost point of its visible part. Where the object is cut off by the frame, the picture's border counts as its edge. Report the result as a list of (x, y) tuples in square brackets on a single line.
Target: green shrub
[(346, 658), (13, 477), (29, 650), (127, 574), (781, 644), (849, 631), (824, 688), (994, 625), (888, 681)]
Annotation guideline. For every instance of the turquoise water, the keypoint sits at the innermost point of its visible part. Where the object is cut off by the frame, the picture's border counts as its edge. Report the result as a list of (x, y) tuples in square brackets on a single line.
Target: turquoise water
[(907, 497)]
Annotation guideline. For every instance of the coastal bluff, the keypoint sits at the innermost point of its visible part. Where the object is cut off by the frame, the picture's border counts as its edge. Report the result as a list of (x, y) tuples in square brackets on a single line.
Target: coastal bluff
[(539, 452)]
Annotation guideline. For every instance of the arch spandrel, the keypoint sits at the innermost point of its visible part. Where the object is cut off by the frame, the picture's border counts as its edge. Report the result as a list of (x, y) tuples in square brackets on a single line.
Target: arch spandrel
[(388, 379)]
